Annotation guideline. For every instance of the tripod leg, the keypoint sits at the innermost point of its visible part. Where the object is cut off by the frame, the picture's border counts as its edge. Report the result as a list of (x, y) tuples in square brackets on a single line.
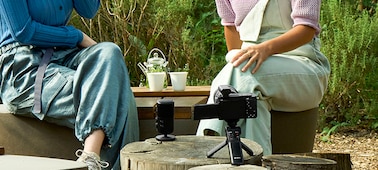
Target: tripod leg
[(247, 149), (216, 149)]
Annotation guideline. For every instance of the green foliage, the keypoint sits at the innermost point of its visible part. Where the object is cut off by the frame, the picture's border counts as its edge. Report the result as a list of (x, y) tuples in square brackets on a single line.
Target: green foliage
[(189, 32), (349, 40), (326, 133)]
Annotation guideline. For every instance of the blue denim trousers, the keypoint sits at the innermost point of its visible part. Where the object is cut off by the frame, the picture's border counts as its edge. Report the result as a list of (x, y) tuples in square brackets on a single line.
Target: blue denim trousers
[(85, 89)]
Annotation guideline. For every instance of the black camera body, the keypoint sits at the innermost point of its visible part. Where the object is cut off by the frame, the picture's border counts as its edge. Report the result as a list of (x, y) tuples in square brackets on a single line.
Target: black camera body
[(229, 105)]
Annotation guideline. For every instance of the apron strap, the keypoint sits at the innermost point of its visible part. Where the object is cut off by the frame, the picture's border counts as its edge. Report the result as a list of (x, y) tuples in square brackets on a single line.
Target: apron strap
[(255, 17), (39, 78)]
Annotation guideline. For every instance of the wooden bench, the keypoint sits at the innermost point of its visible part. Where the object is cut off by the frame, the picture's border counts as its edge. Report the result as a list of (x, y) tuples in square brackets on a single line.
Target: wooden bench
[(21, 135), (168, 92), (183, 102), (291, 132), (29, 136)]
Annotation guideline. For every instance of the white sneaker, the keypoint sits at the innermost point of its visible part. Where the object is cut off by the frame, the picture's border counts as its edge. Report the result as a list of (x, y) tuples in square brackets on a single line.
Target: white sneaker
[(91, 159)]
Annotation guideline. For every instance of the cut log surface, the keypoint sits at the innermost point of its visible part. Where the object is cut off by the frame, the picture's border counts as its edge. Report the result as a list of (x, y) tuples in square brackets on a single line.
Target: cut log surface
[(293, 162), (183, 153), (343, 159), (228, 167)]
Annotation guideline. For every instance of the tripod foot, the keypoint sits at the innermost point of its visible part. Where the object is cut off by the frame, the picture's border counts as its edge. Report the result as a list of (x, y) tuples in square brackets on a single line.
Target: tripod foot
[(165, 137)]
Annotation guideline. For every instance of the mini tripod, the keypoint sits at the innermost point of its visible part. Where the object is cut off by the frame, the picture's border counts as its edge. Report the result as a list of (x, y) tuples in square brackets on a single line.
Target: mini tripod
[(235, 146)]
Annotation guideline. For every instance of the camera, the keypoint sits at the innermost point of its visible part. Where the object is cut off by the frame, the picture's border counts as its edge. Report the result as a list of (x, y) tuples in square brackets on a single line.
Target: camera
[(228, 105)]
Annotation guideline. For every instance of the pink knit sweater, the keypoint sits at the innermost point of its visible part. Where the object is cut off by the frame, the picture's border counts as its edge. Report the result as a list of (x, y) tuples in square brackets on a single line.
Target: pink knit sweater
[(304, 12)]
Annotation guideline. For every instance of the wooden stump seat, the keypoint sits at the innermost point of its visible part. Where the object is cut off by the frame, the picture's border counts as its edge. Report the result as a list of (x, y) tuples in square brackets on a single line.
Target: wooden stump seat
[(343, 159), (294, 162), (228, 167), (185, 152), (293, 132)]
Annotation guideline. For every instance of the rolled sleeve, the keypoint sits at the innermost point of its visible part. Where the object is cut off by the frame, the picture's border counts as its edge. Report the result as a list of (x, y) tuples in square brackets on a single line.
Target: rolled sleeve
[(306, 13), (225, 12)]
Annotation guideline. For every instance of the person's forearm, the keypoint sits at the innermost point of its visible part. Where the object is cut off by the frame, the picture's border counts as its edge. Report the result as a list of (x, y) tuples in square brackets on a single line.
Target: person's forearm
[(232, 38), (87, 41), (294, 38)]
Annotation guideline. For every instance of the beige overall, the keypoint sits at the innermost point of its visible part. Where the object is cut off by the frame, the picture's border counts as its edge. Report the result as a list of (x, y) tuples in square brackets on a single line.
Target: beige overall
[(291, 82)]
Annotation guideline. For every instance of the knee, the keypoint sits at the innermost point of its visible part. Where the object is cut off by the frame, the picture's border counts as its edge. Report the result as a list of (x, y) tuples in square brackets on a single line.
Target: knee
[(109, 50)]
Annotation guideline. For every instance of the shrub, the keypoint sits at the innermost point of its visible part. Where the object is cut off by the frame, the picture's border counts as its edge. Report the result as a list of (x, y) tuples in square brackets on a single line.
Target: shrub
[(187, 31), (349, 40)]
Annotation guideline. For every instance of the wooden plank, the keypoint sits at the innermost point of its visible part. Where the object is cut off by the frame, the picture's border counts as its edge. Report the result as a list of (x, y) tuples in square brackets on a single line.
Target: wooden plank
[(228, 167), (183, 106), (36, 162), (21, 135), (169, 92), (148, 113), (4, 109)]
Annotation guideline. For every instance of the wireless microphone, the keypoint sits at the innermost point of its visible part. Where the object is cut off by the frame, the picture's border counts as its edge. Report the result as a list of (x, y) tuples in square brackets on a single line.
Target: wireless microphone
[(164, 119)]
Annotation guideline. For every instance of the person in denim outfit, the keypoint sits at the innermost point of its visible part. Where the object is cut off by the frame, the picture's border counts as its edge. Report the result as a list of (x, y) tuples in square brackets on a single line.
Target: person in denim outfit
[(85, 85)]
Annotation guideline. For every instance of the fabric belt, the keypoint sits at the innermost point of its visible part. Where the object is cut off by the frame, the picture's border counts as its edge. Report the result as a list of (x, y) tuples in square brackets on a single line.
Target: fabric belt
[(40, 73), (39, 79)]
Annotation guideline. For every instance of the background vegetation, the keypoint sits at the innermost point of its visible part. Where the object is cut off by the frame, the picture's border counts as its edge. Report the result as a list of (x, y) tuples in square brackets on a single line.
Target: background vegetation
[(349, 40), (189, 31)]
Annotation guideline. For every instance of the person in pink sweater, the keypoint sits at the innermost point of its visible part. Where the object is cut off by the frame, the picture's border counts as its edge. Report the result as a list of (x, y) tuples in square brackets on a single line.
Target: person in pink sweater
[(273, 52)]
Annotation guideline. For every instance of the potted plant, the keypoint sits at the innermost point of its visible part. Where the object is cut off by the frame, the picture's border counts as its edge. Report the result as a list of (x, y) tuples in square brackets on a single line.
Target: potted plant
[(179, 78)]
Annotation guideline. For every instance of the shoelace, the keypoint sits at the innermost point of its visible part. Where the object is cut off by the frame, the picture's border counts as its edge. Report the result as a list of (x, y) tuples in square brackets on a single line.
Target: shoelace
[(96, 160)]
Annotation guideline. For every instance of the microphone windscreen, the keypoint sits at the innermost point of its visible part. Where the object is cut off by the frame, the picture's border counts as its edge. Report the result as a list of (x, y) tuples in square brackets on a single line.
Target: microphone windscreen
[(165, 116)]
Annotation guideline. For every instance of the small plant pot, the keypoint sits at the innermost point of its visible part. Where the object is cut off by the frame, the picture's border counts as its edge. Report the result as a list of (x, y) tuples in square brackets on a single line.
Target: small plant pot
[(156, 81), (178, 80)]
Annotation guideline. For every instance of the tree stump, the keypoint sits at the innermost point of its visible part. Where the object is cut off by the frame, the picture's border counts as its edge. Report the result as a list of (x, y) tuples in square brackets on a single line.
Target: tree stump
[(228, 167), (294, 162), (342, 159), (183, 153)]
